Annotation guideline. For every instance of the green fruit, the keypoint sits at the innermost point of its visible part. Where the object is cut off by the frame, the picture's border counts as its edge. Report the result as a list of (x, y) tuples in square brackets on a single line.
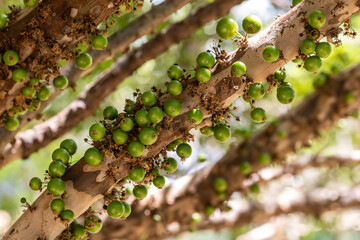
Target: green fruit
[(57, 169), (296, 2), (44, 93), (203, 75), (252, 24), (19, 74), (137, 174), (99, 42), (256, 91), (323, 49), (142, 118), (148, 98), (69, 145), (159, 182), (35, 184), (127, 210), (271, 53), (209, 210), (195, 116), (140, 191), (28, 92), (280, 75), (34, 81), (93, 224), (313, 64), (171, 165), (314, 34), (35, 105), (285, 95), (238, 69), (264, 158), (83, 61), (220, 184), (207, 131), (307, 46), (136, 148), (67, 215), (93, 156), (120, 137), (61, 154), (227, 28), (258, 115), (175, 72), (3, 20), (78, 231), (10, 58), (286, 84), (205, 59), (148, 136), (174, 87), (222, 133), (12, 123), (172, 107), (245, 168), (56, 186), (126, 124), (255, 188), (110, 113), (30, 3), (156, 114), (184, 150), (60, 82), (97, 131), (317, 19), (129, 106), (115, 209), (57, 205)]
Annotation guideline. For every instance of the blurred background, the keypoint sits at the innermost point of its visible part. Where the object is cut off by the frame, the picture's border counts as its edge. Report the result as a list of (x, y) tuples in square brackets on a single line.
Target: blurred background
[(341, 140)]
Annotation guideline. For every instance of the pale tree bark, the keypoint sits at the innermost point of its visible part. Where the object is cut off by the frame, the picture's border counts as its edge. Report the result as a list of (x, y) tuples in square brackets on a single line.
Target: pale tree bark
[(87, 184), (32, 140)]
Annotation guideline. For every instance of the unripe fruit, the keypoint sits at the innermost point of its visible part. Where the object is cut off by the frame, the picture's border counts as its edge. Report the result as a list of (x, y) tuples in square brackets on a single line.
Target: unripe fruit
[(172, 107), (222, 133), (136, 148), (323, 49), (280, 75), (156, 114), (110, 112), (238, 69), (93, 156), (175, 72), (184, 150), (296, 2), (252, 24), (83, 61), (97, 131), (93, 224), (307, 46), (271, 53), (44, 93), (57, 205), (205, 59), (19, 74), (207, 131), (256, 91), (285, 94), (220, 184), (35, 184), (171, 165), (195, 116), (57, 169), (227, 28), (3, 21), (137, 174), (258, 115), (126, 124), (148, 136), (174, 87), (115, 209), (127, 210), (30, 3), (69, 145), (159, 182), (61, 154), (78, 231), (313, 64), (99, 42), (140, 191), (148, 98), (120, 137), (67, 215), (34, 81), (245, 167), (317, 19), (264, 158), (10, 58), (203, 75), (129, 106), (28, 92), (12, 123), (56, 186), (142, 118), (35, 105)]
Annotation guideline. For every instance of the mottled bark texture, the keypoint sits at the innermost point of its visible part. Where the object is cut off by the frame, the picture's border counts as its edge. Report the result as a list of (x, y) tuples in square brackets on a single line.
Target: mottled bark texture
[(192, 194), (32, 140)]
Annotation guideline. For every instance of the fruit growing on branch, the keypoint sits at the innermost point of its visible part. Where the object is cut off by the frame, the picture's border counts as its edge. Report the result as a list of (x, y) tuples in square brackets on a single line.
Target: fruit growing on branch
[(317, 19), (227, 28), (93, 156), (35, 184), (252, 24)]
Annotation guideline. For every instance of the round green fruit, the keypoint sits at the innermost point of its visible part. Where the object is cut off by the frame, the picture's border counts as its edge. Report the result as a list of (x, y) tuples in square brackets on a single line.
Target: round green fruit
[(313, 64), (148, 98), (271, 53), (35, 105), (10, 58), (137, 174), (34, 81), (184, 150), (78, 231), (99, 42), (120, 137), (323, 49), (222, 133), (12, 123), (57, 205), (159, 182), (126, 124), (57, 169), (115, 209), (129, 106), (30, 3), (285, 94), (19, 75), (207, 131), (238, 69), (258, 115), (174, 87), (142, 118), (172, 107), (69, 145), (307, 46), (264, 158), (93, 156), (136, 148), (245, 168), (220, 184), (97, 131), (317, 19), (3, 21), (67, 215), (175, 72), (44, 93), (140, 191), (252, 24), (28, 92), (227, 28), (127, 210), (280, 75), (148, 136), (296, 2), (203, 75), (35, 184), (171, 165), (156, 114), (56, 186), (93, 224), (84, 61), (256, 91), (110, 113), (205, 59), (60, 82), (195, 116), (61, 154)]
